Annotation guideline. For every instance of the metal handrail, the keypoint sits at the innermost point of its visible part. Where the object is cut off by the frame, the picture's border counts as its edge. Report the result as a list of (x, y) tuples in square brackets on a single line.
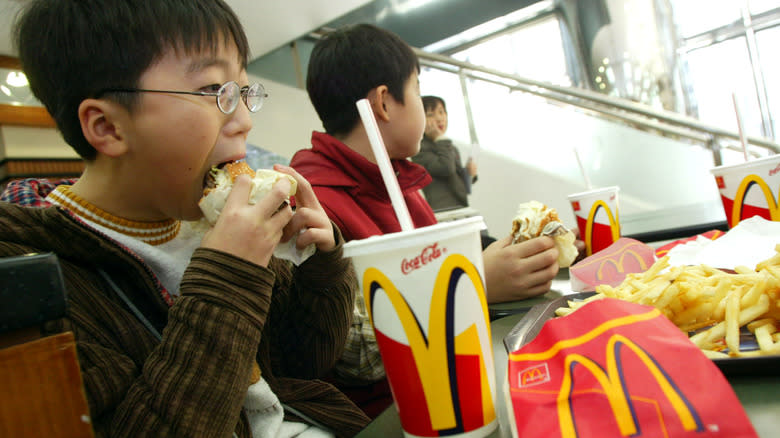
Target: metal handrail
[(660, 120)]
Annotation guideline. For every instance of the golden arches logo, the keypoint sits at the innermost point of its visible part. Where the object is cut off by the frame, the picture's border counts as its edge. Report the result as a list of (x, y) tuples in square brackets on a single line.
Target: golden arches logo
[(535, 375), (614, 225), (434, 355), (613, 382), (619, 264), (739, 199)]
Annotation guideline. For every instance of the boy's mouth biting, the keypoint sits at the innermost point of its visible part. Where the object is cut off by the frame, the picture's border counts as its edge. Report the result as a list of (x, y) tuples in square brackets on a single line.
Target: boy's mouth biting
[(208, 179), (228, 169)]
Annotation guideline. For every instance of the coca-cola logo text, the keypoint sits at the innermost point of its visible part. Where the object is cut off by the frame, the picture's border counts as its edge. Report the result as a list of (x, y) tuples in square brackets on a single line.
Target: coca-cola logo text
[(427, 255), (775, 170)]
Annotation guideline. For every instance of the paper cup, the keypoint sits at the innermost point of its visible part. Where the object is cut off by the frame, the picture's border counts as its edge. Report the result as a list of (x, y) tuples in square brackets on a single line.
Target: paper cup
[(597, 217), (749, 189), (425, 295)]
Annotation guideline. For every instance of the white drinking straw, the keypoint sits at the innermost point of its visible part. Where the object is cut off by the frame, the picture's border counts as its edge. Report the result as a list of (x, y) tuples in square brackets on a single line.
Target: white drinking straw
[(582, 170), (383, 161), (739, 126)]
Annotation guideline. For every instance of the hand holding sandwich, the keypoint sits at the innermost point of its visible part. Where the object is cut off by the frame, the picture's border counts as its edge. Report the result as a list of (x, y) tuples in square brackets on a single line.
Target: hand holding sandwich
[(251, 216), (523, 264), (251, 231), (310, 222), (516, 271)]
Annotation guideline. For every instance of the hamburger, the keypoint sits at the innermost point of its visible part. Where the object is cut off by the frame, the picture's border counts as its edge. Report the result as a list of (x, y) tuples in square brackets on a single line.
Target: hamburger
[(534, 219), (219, 182)]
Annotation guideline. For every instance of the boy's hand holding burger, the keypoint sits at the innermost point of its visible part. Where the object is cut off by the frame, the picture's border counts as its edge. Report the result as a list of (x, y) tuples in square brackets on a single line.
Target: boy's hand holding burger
[(251, 214)]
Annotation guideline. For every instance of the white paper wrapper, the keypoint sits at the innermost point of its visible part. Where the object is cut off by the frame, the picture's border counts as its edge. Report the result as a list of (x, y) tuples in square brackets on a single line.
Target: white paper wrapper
[(211, 205), (750, 242), (262, 184), (285, 250), (289, 251)]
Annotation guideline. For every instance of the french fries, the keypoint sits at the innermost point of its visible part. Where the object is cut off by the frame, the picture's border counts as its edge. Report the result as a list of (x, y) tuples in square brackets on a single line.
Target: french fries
[(713, 304)]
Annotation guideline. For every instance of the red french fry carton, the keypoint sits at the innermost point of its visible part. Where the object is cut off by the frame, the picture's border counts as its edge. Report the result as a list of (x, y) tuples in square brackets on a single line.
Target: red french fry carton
[(611, 265), (619, 369)]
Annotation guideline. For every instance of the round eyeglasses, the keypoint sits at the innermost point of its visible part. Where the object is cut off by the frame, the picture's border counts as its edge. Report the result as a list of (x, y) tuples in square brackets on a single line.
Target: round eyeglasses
[(227, 95)]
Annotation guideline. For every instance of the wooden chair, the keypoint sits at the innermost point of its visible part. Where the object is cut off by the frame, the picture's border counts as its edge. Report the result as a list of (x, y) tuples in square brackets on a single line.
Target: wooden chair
[(41, 391)]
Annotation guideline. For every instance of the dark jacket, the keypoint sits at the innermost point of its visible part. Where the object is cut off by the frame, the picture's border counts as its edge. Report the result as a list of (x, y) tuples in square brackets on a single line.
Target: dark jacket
[(231, 312), (451, 182)]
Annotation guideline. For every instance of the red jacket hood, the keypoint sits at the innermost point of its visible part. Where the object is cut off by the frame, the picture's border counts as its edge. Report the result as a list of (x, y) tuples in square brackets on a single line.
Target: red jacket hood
[(352, 192), (330, 162)]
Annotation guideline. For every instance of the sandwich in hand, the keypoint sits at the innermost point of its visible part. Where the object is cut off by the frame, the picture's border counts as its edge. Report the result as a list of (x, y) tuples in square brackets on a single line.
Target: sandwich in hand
[(220, 182), (534, 219)]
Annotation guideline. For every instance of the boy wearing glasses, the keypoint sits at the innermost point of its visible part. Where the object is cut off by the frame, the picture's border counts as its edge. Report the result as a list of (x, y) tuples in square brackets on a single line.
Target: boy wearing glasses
[(364, 61), (170, 322)]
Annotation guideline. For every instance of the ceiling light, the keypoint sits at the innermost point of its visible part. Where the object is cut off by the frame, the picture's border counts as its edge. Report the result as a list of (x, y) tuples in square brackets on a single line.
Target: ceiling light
[(406, 6), (5, 90), (16, 79)]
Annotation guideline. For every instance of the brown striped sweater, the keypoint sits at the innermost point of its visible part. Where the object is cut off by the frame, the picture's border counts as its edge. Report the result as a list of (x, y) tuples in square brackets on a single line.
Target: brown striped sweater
[(293, 321)]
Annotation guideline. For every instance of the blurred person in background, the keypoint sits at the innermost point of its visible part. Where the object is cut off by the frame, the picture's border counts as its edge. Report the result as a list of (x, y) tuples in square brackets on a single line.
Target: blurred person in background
[(452, 180)]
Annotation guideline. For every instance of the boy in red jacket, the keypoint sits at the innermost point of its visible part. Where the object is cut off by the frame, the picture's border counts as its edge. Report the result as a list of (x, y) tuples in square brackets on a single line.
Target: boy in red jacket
[(364, 61)]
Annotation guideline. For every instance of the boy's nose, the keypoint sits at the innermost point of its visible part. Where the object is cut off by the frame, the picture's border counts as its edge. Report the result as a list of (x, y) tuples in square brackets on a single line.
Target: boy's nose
[(240, 121)]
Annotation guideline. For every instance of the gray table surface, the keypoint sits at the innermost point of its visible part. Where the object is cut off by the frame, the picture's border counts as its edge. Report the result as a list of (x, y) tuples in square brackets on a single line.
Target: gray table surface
[(759, 395)]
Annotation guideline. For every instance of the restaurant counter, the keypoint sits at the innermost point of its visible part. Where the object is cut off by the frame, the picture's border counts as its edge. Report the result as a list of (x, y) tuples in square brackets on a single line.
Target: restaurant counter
[(759, 394)]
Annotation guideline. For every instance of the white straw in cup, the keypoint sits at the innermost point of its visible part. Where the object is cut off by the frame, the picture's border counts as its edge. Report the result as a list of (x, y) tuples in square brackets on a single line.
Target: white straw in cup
[(740, 128), (582, 170), (383, 161)]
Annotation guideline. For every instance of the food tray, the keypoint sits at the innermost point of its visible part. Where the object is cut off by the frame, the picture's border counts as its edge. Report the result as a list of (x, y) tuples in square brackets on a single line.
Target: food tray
[(529, 326)]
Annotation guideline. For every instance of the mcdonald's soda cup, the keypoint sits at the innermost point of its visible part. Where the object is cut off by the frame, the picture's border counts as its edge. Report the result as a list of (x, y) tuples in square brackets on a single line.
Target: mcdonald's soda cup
[(597, 217), (750, 189), (425, 295)]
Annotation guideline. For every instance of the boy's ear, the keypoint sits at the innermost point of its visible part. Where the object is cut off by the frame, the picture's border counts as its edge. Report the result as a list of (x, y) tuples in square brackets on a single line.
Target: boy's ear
[(100, 125), (378, 99)]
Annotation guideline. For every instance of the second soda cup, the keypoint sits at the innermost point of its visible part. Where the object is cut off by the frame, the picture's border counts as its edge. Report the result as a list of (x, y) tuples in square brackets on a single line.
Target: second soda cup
[(597, 217)]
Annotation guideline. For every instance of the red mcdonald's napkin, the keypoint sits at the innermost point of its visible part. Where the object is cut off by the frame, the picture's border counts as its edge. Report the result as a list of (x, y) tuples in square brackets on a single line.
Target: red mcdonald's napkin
[(611, 265), (618, 369)]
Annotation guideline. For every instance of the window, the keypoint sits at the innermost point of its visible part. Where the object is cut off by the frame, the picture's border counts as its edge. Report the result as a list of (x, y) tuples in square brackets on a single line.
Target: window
[(713, 80), (533, 50), (537, 52), (767, 41), (730, 49), (761, 6), (696, 16)]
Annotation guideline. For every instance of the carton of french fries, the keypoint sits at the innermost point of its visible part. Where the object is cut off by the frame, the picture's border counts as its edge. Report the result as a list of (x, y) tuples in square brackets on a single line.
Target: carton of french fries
[(709, 304)]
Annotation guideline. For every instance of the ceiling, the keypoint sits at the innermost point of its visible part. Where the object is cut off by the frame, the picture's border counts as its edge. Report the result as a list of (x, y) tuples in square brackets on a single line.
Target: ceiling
[(418, 22), (269, 24)]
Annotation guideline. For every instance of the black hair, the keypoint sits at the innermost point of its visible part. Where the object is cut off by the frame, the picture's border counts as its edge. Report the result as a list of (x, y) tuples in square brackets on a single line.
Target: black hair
[(348, 63), (429, 103), (70, 50)]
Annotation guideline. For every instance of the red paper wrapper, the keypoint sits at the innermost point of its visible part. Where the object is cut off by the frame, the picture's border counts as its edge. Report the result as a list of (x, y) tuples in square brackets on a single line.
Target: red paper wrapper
[(619, 369), (611, 265)]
